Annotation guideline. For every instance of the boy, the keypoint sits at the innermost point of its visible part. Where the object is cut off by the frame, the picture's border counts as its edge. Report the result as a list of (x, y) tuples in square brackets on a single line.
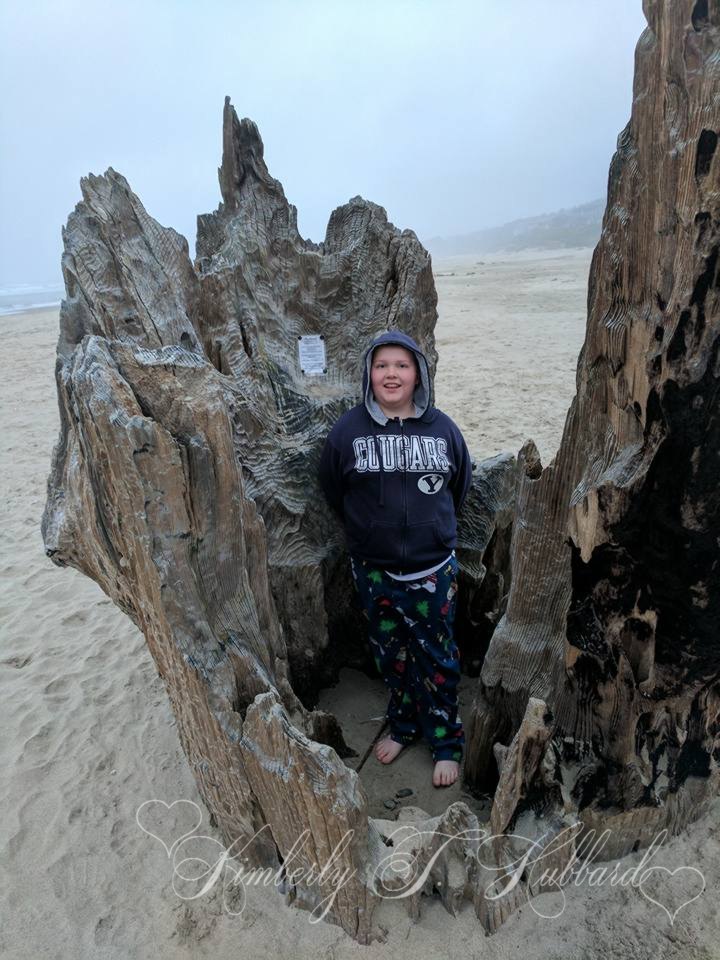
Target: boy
[(397, 470)]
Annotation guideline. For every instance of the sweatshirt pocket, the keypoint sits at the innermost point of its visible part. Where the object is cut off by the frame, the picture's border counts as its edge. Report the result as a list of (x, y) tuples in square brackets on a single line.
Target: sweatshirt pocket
[(445, 533), (381, 542)]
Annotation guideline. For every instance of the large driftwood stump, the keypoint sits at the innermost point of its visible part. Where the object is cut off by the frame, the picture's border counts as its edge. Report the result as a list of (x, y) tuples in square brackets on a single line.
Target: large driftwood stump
[(184, 481), (613, 618), (184, 484)]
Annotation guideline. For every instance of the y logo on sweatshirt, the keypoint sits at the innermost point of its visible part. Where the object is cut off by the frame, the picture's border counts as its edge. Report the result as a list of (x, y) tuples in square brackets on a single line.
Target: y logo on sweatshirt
[(426, 455), (430, 482)]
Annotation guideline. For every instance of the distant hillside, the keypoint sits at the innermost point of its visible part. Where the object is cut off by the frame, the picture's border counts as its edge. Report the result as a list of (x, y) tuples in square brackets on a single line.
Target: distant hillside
[(575, 227)]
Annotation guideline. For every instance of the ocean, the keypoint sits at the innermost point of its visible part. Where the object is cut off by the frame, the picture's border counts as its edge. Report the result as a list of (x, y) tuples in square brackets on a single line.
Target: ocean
[(26, 296)]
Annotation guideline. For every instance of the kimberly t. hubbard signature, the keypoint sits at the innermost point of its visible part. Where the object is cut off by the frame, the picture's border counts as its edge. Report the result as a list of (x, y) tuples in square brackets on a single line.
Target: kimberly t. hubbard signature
[(199, 862)]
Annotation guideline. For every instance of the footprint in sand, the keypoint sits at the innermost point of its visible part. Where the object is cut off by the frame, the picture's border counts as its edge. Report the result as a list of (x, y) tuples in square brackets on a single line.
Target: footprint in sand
[(17, 661)]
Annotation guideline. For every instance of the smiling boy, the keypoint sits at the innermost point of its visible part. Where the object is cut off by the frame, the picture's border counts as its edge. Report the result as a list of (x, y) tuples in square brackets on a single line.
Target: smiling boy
[(394, 376), (396, 469)]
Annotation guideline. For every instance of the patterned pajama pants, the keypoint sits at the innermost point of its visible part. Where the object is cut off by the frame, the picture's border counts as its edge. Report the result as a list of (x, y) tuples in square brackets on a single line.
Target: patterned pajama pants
[(411, 636)]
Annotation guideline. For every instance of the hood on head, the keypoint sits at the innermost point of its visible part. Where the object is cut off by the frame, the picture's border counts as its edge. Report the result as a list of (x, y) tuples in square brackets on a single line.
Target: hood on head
[(422, 395)]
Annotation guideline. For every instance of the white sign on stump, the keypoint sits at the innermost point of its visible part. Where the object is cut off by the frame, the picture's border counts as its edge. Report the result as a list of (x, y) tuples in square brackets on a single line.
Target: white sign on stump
[(311, 354)]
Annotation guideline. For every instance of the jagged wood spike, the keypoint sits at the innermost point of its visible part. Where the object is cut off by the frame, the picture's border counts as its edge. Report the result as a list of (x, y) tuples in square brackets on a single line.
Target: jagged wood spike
[(612, 618)]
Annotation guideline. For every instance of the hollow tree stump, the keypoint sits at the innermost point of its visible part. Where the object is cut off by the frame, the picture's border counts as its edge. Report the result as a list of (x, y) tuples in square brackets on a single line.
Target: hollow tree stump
[(183, 482)]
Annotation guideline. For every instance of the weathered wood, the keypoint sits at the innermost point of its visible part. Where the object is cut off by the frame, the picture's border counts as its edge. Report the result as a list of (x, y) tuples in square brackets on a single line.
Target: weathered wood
[(184, 480), (261, 287), (612, 618), (518, 764)]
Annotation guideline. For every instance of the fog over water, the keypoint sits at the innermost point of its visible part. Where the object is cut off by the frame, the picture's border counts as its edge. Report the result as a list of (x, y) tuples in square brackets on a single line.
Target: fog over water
[(453, 115)]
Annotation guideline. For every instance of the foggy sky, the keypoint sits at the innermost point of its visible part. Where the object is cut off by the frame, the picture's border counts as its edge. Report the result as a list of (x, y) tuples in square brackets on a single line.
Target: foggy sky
[(452, 115)]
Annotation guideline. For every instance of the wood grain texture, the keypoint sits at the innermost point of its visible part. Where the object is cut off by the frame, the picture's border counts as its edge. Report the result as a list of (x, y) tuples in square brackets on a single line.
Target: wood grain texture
[(184, 482), (613, 613)]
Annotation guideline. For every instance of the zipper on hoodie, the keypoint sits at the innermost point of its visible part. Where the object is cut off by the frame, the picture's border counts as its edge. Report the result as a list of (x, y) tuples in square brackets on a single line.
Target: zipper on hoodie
[(401, 452)]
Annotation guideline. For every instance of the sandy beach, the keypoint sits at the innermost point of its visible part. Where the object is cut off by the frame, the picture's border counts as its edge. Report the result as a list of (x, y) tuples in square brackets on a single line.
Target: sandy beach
[(88, 734)]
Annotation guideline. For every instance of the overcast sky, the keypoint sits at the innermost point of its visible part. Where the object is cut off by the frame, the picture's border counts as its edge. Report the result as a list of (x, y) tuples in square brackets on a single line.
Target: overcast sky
[(452, 114)]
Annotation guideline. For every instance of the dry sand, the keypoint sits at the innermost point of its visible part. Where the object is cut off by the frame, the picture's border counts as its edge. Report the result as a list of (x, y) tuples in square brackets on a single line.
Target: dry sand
[(509, 333), (88, 735)]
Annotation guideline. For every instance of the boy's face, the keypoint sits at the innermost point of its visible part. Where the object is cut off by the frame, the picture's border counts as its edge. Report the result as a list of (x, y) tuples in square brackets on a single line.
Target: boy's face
[(393, 376)]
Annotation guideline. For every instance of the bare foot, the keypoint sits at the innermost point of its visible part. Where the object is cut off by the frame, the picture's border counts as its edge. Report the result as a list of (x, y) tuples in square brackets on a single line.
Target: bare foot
[(445, 773), (387, 749)]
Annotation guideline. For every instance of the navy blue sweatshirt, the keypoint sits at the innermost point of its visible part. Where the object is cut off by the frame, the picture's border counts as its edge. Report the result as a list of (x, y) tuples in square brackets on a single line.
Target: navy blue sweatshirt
[(397, 484)]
